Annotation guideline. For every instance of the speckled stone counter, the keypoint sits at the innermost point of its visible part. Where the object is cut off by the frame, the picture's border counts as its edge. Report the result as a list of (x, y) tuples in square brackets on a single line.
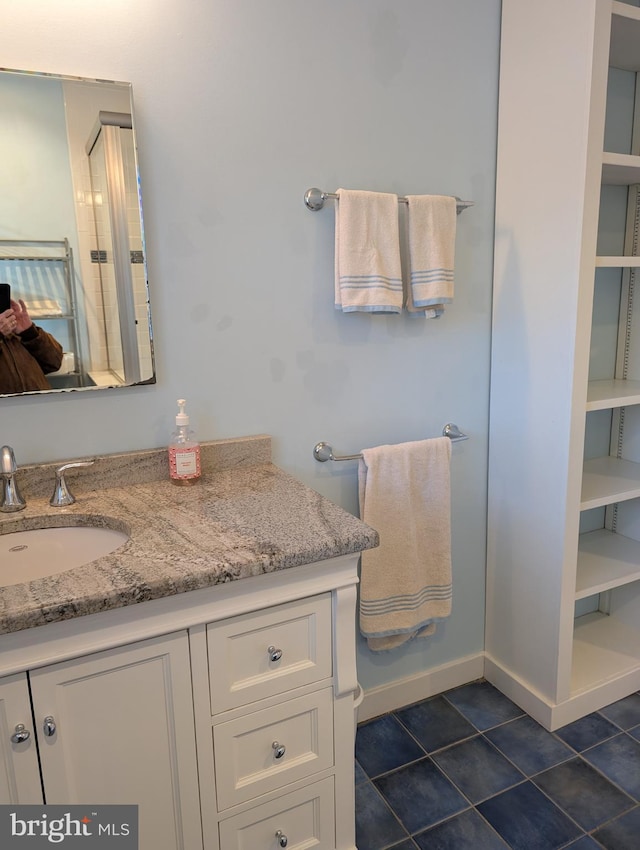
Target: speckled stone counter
[(244, 517)]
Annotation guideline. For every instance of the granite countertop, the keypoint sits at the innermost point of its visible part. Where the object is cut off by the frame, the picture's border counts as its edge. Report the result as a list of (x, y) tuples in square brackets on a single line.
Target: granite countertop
[(236, 522)]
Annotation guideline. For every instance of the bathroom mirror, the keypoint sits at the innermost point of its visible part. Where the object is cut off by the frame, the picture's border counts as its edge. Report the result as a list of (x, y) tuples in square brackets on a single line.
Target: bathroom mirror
[(71, 233)]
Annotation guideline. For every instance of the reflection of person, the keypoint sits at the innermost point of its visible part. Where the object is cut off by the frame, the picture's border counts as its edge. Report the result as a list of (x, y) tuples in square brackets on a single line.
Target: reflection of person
[(27, 352)]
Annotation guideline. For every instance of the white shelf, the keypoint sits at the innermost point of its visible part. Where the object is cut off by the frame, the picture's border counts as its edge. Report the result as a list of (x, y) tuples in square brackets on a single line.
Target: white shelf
[(603, 649), (620, 169), (606, 480), (625, 37), (606, 560), (602, 395), (618, 262)]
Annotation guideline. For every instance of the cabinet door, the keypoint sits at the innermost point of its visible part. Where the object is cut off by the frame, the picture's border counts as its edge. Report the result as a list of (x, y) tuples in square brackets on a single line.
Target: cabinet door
[(117, 727), (19, 770)]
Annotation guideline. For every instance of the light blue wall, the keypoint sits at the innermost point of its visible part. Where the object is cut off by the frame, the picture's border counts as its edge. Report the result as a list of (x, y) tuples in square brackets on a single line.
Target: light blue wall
[(241, 106)]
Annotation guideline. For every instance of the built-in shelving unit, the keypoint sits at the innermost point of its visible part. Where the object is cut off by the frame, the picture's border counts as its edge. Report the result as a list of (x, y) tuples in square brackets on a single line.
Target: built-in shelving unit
[(606, 647), (543, 477)]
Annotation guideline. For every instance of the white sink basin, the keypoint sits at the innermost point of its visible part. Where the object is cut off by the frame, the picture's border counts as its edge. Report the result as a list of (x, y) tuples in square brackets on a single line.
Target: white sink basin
[(29, 555)]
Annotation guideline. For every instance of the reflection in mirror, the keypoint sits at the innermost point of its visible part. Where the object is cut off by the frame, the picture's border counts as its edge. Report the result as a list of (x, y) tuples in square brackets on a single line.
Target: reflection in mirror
[(71, 237)]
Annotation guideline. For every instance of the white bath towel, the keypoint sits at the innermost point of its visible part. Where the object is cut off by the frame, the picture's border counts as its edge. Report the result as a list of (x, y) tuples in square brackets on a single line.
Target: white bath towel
[(368, 276), (431, 229), (405, 584)]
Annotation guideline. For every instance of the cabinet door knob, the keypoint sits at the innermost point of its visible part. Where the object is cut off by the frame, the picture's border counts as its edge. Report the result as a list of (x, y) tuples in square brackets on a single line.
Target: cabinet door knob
[(21, 734), (274, 654), (49, 726), (282, 838), (278, 750)]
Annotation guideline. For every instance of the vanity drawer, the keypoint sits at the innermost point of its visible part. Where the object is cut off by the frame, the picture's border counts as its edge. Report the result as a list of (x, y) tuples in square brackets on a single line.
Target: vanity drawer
[(302, 819), (262, 654), (264, 750)]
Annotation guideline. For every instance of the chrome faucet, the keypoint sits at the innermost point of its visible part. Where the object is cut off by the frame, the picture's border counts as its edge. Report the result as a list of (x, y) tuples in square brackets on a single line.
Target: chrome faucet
[(10, 498)]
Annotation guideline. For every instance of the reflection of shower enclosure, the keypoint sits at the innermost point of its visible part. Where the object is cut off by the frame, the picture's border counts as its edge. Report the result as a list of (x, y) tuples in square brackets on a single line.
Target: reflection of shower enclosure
[(123, 285)]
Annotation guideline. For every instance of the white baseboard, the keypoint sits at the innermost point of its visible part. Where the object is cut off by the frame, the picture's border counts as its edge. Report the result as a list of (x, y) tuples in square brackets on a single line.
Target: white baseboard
[(520, 692), (402, 692), (555, 715), (428, 683)]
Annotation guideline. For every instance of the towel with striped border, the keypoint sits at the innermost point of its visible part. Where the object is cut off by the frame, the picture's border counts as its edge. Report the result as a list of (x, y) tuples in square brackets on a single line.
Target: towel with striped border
[(405, 584), (431, 230), (368, 275)]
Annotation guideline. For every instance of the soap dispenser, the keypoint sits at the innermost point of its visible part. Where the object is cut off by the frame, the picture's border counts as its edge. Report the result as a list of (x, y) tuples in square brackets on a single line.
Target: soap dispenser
[(184, 450)]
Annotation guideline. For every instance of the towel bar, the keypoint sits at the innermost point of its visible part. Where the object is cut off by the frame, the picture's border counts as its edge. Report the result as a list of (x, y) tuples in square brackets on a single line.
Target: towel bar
[(323, 451), (315, 198)]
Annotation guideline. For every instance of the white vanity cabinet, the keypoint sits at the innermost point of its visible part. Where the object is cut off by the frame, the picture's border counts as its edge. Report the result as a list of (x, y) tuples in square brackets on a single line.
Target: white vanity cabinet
[(226, 714), (563, 553)]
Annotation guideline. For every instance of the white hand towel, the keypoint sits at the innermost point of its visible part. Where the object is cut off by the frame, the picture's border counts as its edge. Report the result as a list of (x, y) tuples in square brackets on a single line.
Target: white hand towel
[(431, 229), (368, 276), (405, 584)]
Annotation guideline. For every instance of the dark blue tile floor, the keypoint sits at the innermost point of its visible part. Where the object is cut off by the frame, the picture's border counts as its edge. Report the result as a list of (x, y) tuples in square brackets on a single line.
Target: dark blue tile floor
[(469, 770)]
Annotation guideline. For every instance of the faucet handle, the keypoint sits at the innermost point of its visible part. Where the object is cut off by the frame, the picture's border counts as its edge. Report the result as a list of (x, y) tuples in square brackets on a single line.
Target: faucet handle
[(62, 496)]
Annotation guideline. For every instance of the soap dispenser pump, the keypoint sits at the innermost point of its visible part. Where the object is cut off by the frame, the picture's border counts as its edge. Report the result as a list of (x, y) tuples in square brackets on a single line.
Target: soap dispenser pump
[(184, 450)]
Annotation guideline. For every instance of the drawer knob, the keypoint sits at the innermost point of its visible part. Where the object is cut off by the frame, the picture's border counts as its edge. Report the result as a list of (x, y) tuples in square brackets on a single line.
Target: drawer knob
[(282, 838), (274, 654), (278, 752), (21, 734), (49, 726)]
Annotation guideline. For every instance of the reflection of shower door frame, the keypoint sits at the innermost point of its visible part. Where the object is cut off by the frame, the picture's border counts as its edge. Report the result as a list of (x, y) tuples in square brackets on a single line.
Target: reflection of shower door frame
[(108, 127)]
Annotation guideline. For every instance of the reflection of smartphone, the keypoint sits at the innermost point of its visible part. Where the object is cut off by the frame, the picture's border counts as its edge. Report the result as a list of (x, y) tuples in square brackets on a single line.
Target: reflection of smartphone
[(5, 297)]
